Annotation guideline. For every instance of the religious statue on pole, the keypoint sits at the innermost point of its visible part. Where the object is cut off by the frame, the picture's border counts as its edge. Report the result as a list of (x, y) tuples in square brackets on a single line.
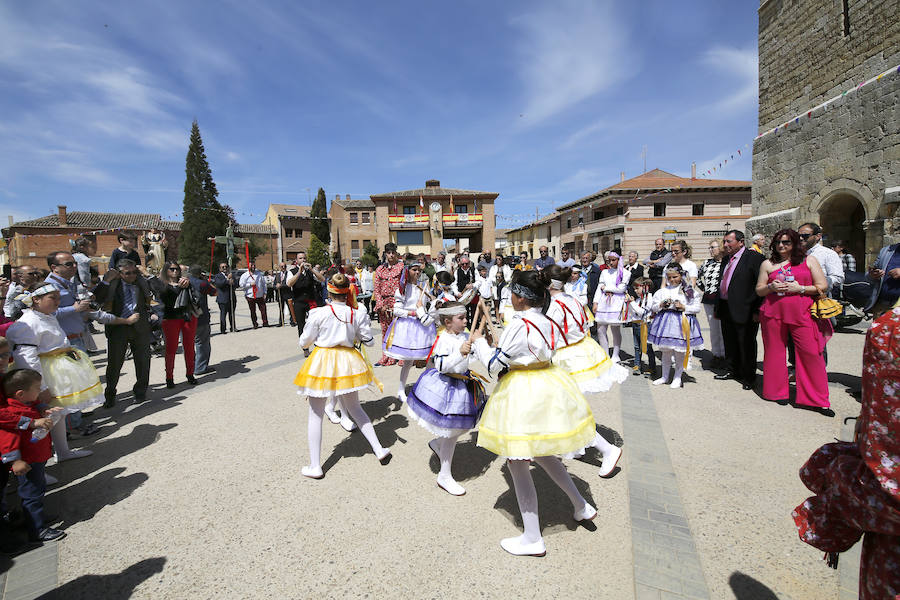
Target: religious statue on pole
[(229, 241)]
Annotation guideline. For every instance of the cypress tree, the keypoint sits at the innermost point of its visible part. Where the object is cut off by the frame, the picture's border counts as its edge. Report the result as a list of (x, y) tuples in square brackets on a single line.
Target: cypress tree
[(318, 252), (321, 227), (204, 216)]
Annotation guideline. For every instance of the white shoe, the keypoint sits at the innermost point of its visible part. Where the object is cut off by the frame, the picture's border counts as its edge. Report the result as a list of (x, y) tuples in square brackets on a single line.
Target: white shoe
[(50, 479), (72, 455), (610, 460), (347, 424), (519, 547), (676, 383), (385, 452), (332, 415), (587, 513), (660, 381), (401, 394), (450, 486), (615, 358), (312, 472)]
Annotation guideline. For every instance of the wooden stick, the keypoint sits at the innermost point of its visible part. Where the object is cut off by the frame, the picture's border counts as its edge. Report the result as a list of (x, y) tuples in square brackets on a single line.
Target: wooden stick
[(476, 318), (490, 323)]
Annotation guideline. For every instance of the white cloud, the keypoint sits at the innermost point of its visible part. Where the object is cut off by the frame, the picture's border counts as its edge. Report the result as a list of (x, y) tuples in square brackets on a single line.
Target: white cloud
[(740, 65), (568, 52), (232, 156), (583, 133)]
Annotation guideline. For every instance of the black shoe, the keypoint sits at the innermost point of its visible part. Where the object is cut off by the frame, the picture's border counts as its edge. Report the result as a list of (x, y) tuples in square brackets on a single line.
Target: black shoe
[(109, 403), (48, 534), (192, 380), (747, 386), (255, 326), (140, 397), (826, 412), (170, 383), (293, 324), (724, 376)]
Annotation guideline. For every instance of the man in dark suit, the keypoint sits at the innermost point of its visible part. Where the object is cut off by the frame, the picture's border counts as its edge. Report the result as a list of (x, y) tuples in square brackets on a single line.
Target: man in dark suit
[(202, 347), (124, 292), (738, 308), (226, 297), (591, 270)]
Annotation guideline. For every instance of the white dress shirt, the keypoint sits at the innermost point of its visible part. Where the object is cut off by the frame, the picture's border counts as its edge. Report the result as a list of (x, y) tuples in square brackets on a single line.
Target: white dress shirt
[(336, 324), (831, 264), (520, 343), (247, 281), (446, 355)]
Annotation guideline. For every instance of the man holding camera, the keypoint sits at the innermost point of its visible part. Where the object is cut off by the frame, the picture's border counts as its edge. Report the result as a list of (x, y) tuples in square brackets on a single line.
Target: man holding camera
[(302, 281)]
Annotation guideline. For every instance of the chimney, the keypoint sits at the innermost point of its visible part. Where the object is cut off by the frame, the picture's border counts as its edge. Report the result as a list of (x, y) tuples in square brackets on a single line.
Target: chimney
[(622, 175), (10, 220), (337, 197), (348, 197), (432, 183), (62, 215), (693, 170)]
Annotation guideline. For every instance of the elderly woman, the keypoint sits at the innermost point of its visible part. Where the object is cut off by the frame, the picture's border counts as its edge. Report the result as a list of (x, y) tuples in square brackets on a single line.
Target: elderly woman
[(789, 281), (708, 282)]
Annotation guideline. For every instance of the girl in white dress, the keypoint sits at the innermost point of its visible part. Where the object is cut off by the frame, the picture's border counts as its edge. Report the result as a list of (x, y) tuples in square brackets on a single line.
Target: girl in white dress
[(675, 329), (336, 368), (610, 309)]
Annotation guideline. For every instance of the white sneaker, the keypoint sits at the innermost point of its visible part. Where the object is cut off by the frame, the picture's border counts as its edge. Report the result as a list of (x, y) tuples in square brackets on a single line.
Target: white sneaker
[(312, 472), (450, 486), (610, 460), (519, 547), (587, 513), (331, 414), (660, 381), (676, 383), (72, 455), (347, 424)]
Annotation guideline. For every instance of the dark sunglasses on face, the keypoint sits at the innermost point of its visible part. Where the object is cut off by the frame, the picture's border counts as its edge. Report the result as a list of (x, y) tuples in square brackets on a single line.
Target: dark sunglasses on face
[(804, 236), (784, 243), (66, 264), (174, 269)]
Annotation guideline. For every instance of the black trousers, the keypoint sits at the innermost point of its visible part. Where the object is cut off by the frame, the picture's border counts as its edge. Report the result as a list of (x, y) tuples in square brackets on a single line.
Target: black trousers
[(119, 339), (740, 346), (301, 310), (226, 311), (283, 300)]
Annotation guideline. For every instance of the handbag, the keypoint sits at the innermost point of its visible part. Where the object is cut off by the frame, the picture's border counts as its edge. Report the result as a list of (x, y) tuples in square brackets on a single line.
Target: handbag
[(825, 308), (187, 299)]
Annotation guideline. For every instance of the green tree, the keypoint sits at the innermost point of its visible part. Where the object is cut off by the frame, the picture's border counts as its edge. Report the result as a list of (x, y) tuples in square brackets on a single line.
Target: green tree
[(318, 212), (318, 252), (370, 255), (204, 216)]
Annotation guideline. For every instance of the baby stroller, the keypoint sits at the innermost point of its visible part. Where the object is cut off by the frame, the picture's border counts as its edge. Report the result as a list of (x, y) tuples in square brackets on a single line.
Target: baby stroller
[(853, 295)]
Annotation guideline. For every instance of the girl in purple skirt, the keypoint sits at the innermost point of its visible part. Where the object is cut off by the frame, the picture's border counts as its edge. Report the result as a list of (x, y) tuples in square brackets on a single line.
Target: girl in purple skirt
[(675, 329), (447, 399)]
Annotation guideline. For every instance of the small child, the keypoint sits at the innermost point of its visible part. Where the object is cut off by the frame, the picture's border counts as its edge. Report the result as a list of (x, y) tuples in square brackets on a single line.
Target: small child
[(448, 399), (482, 283), (22, 453), (443, 288), (675, 307), (127, 242), (641, 304)]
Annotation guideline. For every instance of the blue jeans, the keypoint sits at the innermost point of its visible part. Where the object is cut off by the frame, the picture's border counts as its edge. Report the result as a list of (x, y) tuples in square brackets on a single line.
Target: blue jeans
[(651, 358), (32, 486)]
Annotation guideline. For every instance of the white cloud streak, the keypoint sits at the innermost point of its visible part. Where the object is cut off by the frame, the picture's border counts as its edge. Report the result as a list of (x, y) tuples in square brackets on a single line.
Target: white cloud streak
[(734, 64)]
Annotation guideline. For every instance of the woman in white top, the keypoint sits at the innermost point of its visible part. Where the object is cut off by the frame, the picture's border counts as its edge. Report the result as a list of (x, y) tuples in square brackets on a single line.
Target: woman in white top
[(336, 368), (69, 379), (536, 411), (580, 355), (610, 309), (681, 254)]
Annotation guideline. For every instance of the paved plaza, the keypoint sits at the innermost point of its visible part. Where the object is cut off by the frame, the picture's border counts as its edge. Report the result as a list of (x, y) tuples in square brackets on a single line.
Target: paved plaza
[(197, 493)]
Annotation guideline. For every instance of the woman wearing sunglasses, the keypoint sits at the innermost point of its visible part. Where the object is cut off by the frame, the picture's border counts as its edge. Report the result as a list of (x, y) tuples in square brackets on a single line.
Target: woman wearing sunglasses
[(179, 320), (789, 281)]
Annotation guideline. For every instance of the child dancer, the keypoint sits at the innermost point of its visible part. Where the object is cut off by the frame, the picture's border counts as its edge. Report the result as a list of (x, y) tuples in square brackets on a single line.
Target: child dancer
[(609, 302), (536, 411), (641, 305), (443, 288), (580, 356), (447, 399), (675, 328), (335, 368), (412, 333)]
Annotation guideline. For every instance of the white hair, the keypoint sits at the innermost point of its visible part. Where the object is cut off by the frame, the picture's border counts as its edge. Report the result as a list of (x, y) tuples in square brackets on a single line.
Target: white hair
[(758, 237)]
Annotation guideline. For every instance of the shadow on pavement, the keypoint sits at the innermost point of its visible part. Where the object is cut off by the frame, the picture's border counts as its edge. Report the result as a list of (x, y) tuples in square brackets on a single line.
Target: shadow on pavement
[(469, 460), (116, 586), (228, 368), (85, 499), (355, 445), (554, 509), (745, 587)]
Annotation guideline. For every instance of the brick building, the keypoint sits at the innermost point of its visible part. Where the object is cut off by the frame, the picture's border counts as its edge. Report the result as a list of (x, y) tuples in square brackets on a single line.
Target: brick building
[(353, 226), (293, 224), (631, 214), (529, 238), (840, 166), (29, 242)]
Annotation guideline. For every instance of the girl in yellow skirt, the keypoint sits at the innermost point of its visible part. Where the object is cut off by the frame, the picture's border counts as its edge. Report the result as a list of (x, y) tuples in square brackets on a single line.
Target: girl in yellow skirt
[(69, 379), (336, 368), (536, 411), (580, 356)]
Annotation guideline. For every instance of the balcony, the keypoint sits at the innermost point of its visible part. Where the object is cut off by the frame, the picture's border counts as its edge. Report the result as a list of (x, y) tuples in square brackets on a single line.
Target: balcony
[(463, 220), (606, 224), (407, 222)]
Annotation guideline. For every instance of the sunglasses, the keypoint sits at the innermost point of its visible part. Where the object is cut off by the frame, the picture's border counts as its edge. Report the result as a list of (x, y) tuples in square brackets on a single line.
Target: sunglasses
[(70, 263), (174, 269), (784, 243), (804, 236)]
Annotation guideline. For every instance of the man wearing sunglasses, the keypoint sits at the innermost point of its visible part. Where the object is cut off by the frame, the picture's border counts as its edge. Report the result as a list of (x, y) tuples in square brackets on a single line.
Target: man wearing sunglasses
[(811, 237)]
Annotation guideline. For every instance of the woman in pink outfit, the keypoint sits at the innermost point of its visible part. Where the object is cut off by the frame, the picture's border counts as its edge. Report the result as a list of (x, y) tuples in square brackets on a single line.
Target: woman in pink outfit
[(790, 281)]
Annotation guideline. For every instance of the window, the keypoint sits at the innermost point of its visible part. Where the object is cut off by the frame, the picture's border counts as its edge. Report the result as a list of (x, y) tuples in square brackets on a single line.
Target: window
[(598, 214), (461, 208), (366, 243), (354, 218), (659, 209), (620, 210), (409, 210), (580, 223), (410, 238), (549, 233), (846, 7), (298, 233), (697, 210), (365, 218), (568, 223), (354, 248)]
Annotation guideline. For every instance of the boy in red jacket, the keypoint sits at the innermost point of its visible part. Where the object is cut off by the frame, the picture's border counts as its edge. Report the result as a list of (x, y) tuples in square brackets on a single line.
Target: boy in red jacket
[(26, 457)]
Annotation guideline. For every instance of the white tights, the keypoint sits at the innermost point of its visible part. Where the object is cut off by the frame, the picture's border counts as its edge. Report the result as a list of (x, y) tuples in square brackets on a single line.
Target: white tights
[(667, 355), (350, 404), (526, 495), (616, 331), (60, 443), (446, 447), (404, 374)]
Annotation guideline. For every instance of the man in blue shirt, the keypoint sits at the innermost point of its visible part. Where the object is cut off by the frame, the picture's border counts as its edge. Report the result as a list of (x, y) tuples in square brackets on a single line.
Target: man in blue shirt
[(545, 260), (885, 278)]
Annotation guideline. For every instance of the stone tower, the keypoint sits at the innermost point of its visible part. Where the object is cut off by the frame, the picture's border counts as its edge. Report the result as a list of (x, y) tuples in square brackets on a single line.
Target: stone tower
[(841, 166)]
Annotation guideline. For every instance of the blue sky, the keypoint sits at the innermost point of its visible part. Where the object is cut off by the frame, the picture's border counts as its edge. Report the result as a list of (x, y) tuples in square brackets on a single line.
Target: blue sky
[(542, 102)]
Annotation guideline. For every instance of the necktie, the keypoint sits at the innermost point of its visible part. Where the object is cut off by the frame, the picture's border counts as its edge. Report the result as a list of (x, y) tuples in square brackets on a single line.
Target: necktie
[(726, 277)]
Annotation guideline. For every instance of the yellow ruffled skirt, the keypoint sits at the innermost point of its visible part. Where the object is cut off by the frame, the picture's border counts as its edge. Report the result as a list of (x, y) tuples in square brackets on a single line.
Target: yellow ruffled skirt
[(587, 362), (536, 412), (72, 379), (330, 372)]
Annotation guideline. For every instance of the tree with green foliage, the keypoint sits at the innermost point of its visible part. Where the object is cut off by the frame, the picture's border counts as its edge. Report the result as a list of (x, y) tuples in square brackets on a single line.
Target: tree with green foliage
[(204, 216), (318, 252), (318, 212), (370, 255)]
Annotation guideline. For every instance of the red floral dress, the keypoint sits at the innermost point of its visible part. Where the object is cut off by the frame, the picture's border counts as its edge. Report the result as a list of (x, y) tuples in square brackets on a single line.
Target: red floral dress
[(386, 282), (858, 484)]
